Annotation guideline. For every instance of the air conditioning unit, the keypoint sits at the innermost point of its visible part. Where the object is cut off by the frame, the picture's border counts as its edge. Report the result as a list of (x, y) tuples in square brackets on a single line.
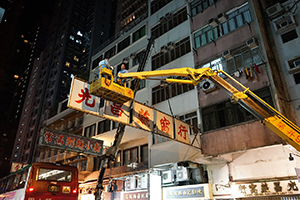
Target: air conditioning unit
[(132, 56), (284, 24), (275, 11), (171, 45), (222, 17), (182, 173), (142, 181), (251, 43), (167, 177), (213, 22), (226, 54), (164, 49), (294, 67), (130, 183), (207, 86), (169, 15)]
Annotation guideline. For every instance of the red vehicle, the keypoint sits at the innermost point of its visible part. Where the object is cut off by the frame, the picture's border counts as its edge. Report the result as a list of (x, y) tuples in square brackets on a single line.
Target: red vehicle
[(41, 181)]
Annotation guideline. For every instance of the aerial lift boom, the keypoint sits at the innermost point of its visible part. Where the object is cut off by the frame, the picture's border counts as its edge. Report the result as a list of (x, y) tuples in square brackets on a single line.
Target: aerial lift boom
[(269, 116)]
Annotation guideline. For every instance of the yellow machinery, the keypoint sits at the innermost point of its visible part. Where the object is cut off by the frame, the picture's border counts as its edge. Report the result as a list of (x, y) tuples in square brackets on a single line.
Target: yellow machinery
[(259, 108), (105, 88)]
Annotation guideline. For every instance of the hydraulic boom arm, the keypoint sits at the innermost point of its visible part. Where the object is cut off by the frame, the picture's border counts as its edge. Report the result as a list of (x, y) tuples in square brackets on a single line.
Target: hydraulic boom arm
[(247, 99)]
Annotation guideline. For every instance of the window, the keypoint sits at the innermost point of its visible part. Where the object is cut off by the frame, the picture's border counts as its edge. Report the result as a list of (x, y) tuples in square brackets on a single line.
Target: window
[(138, 58), (180, 48), (242, 57), (190, 118), (198, 6), (125, 43), (206, 35), (144, 153), (110, 53), (286, 37), (90, 131), (168, 23), (226, 114), (104, 126), (130, 156), (157, 5), (296, 78), (139, 33), (163, 92), (142, 83), (54, 175), (236, 19)]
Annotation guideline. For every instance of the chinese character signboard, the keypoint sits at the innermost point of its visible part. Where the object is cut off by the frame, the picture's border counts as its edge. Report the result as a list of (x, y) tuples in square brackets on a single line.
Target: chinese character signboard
[(199, 191), (142, 195), (142, 116), (164, 124), (16, 166), (66, 141), (182, 132), (117, 112), (179, 193), (81, 99)]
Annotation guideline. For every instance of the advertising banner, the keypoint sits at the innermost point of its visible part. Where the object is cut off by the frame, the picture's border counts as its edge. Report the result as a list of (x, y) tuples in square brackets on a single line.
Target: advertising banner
[(81, 99), (164, 124), (117, 112), (70, 142), (182, 132), (142, 116)]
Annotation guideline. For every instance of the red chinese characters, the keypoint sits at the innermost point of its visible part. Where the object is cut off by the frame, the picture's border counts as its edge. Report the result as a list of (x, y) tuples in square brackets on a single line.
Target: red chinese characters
[(85, 96), (143, 117), (70, 141), (182, 132), (164, 124), (59, 140), (48, 137), (97, 148), (116, 109), (88, 145), (17, 167), (80, 144), (281, 125)]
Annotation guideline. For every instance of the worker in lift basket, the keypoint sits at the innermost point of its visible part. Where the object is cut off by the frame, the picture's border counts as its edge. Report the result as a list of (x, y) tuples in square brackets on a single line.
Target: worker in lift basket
[(102, 64), (123, 70)]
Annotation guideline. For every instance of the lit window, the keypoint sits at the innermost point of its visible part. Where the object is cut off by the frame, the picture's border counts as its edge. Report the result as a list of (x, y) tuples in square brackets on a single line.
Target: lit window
[(72, 37), (67, 64), (16, 76), (79, 33), (76, 58)]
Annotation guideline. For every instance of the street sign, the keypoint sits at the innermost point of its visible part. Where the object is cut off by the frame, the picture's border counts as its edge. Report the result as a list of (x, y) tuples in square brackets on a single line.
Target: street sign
[(143, 117), (70, 142)]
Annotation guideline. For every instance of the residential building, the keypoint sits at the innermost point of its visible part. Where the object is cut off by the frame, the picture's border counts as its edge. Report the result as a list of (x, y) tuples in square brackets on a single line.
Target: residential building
[(66, 55)]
